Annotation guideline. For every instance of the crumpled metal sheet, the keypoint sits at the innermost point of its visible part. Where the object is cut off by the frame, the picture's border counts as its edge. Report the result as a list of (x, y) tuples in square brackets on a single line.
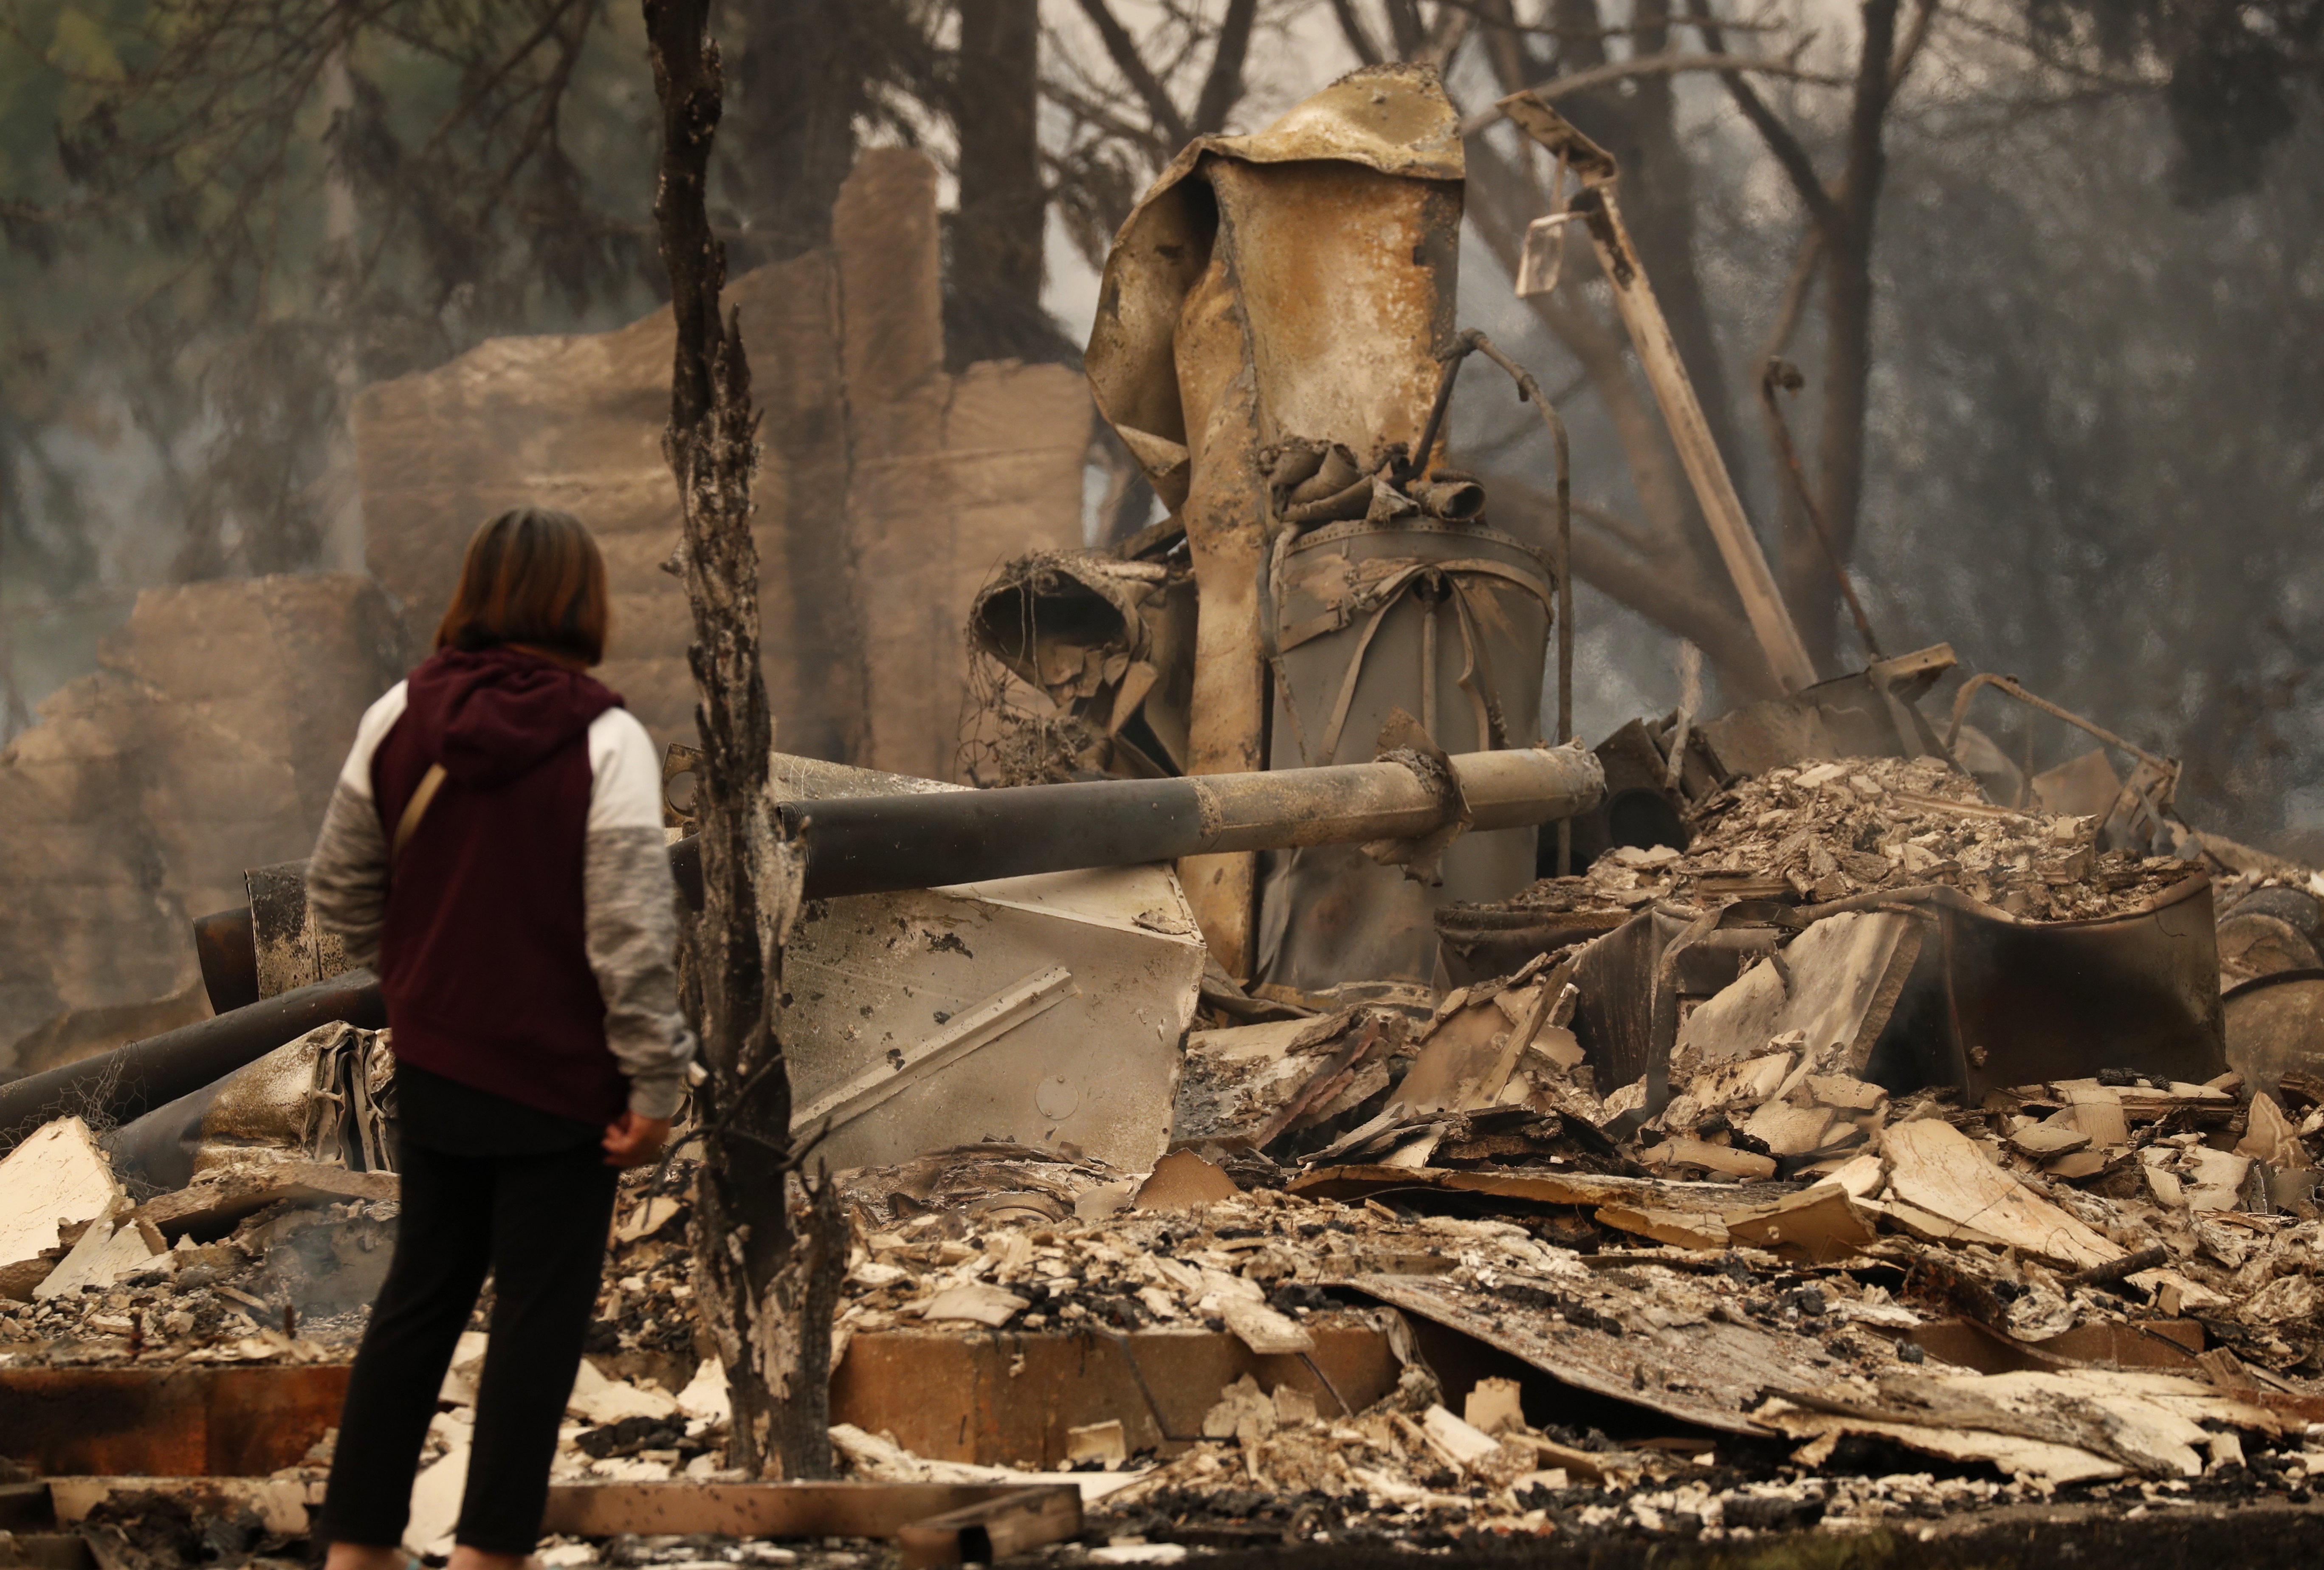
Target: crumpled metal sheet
[(1447, 620), (1109, 642), (1274, 297), (1992, 1000), (1391, 120), (1047, 1010)]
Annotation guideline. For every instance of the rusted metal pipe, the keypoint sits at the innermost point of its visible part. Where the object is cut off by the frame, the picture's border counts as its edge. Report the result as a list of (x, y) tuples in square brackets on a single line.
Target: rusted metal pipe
[(878, 844), (2167, 767), (134, 1079), (866, 844), (1458, 500)]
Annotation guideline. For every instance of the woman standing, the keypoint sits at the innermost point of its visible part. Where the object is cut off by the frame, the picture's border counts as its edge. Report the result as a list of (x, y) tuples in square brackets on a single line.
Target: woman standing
[(494, 849)]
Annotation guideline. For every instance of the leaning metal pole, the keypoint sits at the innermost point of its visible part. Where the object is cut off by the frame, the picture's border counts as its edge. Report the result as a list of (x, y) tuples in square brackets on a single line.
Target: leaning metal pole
[(1658, 357)]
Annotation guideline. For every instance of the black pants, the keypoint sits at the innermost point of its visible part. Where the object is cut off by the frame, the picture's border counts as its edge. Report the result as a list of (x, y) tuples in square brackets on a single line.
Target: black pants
[(537, 1223)]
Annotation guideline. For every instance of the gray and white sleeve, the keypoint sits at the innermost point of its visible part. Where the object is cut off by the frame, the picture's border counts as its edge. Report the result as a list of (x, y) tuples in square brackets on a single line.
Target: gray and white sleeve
[(346, 877), (630, 918)]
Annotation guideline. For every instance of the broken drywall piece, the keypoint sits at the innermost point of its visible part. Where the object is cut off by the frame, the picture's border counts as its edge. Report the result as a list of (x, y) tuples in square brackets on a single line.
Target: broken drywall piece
[(976, 1301), (210, 1206), (1103, 1443), (2060, 1427), (1914, 1221), (648, 1218), (706, 1397), (1182, 1180), (2044, 1141), (2273, 1138), (1468, 1055), (1790, 1130), (1493, 1405), (2095, 1109), (1837, 983), (1263, 1330), (1104, 1200), (1746, 1082), (102, 1256), (1235, 1080), (1935, 1168), (56, 1176), (1820, 1224), (1680, 1229), (1862, 1176), (1748, 1165), (467, 1367), (600, 1400), (1463, 1443), (435, 1494), (1242, 1409)]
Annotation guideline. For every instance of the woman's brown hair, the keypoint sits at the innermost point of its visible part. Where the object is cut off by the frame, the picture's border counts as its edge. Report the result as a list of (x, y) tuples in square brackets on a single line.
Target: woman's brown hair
[(532, 576)]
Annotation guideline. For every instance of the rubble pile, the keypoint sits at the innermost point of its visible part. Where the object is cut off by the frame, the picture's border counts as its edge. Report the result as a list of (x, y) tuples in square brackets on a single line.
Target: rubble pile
[(275, 1261), (1840, 1321), (1827, 831), (1789, 1276)]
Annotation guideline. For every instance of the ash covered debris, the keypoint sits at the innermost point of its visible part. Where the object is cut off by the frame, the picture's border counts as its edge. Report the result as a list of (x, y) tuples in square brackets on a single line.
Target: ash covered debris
[(1830, 830)]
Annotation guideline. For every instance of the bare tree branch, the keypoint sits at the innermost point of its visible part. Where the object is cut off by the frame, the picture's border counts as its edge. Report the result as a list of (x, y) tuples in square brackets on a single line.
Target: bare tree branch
[(1359, 36), (1222, 88), (1794, 298), (1781, 145), (1656, 64), (1122, 49), (1495, 14), (1924, 12)]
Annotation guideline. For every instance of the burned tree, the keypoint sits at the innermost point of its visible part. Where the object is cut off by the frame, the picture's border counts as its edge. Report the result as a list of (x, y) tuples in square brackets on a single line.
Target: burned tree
[(766, 1288)]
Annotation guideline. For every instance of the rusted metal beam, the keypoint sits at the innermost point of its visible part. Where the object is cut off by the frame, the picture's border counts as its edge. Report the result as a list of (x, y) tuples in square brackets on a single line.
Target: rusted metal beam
[(950, 1397), (940, 1513), (180, 1421), (1658, 357)]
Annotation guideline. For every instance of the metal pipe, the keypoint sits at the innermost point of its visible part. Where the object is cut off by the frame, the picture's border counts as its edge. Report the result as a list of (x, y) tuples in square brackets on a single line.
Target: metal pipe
[(134, 1079), (2009, 685), (1458, 500), (878, 843)]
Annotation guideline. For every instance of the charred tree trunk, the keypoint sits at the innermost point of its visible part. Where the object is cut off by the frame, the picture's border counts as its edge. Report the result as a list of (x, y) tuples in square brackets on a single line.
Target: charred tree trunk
[(992, 300), (1848, 340), (802, 79), (768, 1290)]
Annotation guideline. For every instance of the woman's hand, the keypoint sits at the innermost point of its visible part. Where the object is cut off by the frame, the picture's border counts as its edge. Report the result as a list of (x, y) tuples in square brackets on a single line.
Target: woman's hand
[(631, 1140)]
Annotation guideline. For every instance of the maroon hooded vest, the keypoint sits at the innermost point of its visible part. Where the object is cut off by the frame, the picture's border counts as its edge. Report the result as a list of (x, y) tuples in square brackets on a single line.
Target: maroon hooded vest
[(482, 959)]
